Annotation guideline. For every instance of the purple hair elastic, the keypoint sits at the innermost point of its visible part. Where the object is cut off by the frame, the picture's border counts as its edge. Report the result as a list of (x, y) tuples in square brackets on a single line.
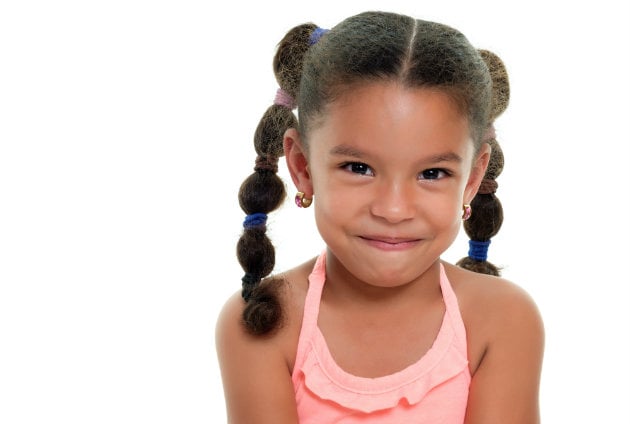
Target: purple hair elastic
[(478, 250), (255, 220), (284, 99), (316, 35)]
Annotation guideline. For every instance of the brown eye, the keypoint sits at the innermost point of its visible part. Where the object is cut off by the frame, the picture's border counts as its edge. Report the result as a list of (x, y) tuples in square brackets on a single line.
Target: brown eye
[(433, 174), (358, 168)]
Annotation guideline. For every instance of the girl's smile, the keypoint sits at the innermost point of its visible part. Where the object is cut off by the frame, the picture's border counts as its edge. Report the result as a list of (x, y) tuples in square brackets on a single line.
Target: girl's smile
[(390, 168), (390, 243)]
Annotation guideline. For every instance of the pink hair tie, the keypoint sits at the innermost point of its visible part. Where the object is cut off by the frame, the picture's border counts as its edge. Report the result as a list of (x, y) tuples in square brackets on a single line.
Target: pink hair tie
[(284, 99), (489, 134)]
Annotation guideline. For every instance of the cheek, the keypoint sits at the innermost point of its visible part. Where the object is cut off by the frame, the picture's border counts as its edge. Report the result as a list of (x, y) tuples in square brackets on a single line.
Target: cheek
[(447, 209), (334, 200), (443, 211)]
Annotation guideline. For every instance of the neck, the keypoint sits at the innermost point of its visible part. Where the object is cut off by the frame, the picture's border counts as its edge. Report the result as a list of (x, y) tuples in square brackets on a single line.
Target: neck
[(343, 286)]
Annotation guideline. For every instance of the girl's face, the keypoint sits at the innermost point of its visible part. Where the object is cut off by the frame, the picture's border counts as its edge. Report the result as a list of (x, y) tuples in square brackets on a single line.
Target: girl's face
[(390, 168)]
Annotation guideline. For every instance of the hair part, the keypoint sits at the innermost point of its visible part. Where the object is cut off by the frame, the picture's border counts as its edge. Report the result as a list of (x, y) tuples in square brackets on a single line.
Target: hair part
[(376, 47)]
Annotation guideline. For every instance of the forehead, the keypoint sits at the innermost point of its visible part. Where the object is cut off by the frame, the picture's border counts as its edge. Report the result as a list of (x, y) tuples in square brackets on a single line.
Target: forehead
[(392, 116)]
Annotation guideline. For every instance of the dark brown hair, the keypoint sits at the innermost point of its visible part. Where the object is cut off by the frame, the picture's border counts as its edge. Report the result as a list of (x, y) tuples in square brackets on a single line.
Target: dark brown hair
[(372, 46), (487, 216)]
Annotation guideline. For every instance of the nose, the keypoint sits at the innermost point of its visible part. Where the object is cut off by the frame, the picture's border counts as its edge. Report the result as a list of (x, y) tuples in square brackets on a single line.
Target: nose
[(394, 201)]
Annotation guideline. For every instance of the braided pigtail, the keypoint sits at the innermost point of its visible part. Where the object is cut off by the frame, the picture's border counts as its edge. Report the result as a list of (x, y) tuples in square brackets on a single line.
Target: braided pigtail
[(487, 216), (263, 191)]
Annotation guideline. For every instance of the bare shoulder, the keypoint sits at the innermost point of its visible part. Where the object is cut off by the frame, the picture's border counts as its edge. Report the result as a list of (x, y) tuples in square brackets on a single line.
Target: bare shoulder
[(505, 335), (291, 291), (256, 369), (493, 300)]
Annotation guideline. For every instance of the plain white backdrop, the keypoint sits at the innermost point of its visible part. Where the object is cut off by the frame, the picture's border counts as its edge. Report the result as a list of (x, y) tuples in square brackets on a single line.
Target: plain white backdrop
[(126, 129)]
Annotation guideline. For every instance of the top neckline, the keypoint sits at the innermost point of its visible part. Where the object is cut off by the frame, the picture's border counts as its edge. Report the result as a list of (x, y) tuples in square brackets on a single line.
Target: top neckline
[(451, 329)]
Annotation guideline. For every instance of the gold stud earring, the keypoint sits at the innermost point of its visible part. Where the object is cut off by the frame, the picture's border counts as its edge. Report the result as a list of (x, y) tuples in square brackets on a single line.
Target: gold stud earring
[(302, 201)]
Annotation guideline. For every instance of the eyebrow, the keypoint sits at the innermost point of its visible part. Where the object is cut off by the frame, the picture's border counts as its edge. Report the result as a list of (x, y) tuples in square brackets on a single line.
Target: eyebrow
[(345, 150), (445, 157)]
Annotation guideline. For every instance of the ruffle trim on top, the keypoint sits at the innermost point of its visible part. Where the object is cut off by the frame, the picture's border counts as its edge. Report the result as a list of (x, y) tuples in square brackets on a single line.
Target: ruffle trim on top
[(324, 378)]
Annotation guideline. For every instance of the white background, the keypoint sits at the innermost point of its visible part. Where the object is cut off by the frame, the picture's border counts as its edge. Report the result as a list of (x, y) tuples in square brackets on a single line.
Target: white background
[(125, 132)]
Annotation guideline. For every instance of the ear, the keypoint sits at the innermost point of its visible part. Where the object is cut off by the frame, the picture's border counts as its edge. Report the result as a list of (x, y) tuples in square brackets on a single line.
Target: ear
[(477, 172), (297, 162)]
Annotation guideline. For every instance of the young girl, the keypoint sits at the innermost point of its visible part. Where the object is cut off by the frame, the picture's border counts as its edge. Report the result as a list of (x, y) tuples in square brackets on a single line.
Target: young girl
[(391, 147)]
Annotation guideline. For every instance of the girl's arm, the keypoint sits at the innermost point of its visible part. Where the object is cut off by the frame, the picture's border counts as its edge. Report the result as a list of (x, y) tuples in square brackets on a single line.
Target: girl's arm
[(256, 378), (504, 387)]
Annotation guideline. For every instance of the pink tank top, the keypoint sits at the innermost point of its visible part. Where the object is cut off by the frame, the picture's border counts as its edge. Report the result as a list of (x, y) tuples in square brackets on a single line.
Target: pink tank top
[(433, 390)]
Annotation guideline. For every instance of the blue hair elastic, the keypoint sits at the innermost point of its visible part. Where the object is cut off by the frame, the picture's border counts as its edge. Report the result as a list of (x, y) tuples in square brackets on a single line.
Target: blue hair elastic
[(316, 35), (255, 220), (478, 250)]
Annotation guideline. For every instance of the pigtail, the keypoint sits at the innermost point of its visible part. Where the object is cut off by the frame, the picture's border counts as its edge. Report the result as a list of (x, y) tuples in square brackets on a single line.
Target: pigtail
[(263, 191), (487, 216)]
